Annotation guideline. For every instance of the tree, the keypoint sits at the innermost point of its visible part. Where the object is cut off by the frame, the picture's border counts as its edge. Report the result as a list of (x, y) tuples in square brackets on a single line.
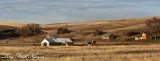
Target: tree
[(30, 30), (153, 26)]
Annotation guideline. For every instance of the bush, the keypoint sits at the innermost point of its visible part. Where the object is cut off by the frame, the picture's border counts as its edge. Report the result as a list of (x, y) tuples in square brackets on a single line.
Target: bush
[(30, 30), (129, 32), (7, 32), (98, 32), (133, 33), (63, 31)]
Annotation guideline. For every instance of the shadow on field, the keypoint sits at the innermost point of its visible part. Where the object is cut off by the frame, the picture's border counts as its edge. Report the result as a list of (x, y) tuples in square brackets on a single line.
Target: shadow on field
[(137, 52)]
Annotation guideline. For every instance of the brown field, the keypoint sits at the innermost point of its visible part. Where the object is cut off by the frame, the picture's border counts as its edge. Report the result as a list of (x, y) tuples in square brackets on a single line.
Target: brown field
[(16, 24), (89, 53)]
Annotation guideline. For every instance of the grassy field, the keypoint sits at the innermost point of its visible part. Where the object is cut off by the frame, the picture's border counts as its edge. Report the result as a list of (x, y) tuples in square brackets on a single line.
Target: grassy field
[(89, 53), (157, 40)]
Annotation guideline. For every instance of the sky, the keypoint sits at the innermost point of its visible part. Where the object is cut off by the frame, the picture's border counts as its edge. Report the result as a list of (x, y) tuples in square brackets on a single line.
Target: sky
[(62, 11)]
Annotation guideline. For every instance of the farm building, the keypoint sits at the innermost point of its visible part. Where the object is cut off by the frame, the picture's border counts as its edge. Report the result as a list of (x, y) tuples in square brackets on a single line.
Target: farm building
[(144, 36), (108, 36), (56, 41)]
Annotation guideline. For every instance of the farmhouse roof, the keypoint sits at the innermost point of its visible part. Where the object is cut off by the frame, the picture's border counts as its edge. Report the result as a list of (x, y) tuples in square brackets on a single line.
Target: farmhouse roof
[(62, 40)]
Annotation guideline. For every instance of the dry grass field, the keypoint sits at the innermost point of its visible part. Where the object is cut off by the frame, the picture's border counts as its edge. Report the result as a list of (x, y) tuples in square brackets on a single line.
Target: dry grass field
[(106, 25), (88, 53), (16, 24)]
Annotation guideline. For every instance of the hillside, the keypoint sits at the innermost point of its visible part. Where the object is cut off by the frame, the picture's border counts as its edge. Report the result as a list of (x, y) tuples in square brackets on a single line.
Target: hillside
[(105, 25), (84, 30), (99, 24)]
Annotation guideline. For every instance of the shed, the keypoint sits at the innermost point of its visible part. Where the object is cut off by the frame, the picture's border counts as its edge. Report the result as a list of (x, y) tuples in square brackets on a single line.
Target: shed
[(108, 36), (56, 41)]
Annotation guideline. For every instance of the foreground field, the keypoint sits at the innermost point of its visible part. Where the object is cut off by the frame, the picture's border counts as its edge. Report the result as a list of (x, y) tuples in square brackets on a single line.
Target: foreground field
[(89, 53)]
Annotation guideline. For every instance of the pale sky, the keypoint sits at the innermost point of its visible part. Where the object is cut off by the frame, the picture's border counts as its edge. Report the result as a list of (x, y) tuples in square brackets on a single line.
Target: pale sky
[(61, 11)]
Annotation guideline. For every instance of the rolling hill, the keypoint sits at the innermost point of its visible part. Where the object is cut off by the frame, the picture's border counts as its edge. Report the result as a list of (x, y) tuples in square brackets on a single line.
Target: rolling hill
[(84, 29), (105, 25)]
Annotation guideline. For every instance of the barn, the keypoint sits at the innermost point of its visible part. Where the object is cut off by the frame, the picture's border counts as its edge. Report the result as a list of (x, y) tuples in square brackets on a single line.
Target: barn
[(56, 41)]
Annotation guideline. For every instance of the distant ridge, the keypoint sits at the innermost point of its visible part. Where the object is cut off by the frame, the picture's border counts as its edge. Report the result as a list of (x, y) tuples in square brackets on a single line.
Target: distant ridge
[(96, 22), (16, 24), (102, 21)]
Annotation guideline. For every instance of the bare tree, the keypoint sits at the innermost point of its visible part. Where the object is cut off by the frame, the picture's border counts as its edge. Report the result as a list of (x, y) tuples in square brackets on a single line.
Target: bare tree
[(153, 26)]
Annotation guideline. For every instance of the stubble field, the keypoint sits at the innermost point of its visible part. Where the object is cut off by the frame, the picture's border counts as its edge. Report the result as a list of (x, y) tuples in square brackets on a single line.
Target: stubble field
[(88, 53)]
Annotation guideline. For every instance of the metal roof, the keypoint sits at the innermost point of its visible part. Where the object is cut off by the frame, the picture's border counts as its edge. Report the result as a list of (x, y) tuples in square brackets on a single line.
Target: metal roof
[(59, 40), (49, 39)]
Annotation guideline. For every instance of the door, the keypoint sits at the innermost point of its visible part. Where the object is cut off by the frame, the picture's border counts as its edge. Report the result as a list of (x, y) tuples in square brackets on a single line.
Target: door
[(45, 44)]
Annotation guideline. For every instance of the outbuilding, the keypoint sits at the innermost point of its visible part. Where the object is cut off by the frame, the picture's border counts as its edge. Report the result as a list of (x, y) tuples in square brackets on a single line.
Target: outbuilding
[(108, 36), (144, 36), (56, 41)]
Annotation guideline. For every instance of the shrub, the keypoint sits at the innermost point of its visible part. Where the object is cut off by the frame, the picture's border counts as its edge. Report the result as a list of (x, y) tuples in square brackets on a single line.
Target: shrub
[(63, 31), (129, 32), (30, 30), (133, 33), (7, 32), (98, 32)]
